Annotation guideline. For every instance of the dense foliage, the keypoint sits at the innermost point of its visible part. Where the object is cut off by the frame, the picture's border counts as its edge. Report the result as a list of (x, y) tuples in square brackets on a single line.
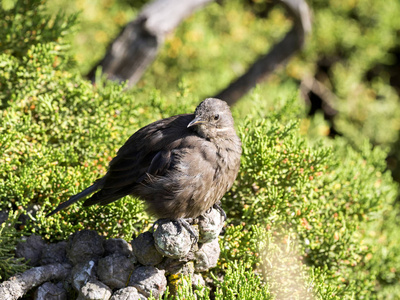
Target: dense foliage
[(305, 212)]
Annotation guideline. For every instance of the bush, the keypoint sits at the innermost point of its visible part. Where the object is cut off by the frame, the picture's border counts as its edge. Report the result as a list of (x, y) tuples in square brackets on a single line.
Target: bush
[(26, 22), (9, 237), (59, 133), (316, 197)]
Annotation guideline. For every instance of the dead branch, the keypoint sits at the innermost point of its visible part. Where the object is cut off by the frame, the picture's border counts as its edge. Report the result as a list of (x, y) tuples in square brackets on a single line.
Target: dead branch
[(311, 84), (278, 56), (18, 285), (137, 45)]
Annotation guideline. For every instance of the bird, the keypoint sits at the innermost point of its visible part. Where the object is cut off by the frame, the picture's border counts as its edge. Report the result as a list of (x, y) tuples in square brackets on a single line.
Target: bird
[(180, 166)]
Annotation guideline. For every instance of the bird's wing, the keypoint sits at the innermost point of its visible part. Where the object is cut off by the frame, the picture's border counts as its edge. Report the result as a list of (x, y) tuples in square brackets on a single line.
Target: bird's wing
[(160, 162), (145, 152)]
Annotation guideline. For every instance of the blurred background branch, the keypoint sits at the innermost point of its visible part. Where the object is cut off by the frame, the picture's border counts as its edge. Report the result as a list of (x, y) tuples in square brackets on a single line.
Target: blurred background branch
[(278, 55), (135, 48)]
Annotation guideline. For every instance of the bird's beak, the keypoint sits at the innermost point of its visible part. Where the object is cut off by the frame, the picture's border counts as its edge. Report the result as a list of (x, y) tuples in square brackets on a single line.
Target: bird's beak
[(196, 121)]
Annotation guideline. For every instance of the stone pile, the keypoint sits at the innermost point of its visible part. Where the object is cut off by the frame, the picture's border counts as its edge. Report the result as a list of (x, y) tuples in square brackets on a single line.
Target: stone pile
[(100, 268)]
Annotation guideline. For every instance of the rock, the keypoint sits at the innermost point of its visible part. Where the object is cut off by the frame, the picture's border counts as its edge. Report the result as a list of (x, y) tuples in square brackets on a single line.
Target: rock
[(54, 253), (85, 245), (180, 277), (94, 290), (3, 216), (128, 293), (210, 226), (198, 280), (50, 291), (149, 280), (145, 251), (207, 256), (119, 246), (82, 273), (31, 249), (174, 266), (114, 270), (169, 241)]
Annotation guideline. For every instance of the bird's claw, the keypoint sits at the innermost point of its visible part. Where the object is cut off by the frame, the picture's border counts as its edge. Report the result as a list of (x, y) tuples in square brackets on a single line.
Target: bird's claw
[(221, 211), (184, 223), (181, 222)]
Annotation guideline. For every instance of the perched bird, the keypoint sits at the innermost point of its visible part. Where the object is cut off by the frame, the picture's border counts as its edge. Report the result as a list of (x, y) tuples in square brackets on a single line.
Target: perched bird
[(180, 166)]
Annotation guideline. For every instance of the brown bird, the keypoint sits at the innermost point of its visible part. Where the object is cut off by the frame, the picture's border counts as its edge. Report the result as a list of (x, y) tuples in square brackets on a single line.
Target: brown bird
[(180, 166)]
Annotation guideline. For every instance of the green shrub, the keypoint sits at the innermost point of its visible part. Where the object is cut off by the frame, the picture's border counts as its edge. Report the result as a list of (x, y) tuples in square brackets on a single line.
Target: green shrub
[(58, 134), (26, 22), (320, 197), (9, 237)]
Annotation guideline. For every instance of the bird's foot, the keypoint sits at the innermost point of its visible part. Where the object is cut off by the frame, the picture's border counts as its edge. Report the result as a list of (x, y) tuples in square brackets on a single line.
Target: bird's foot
[(221, 211), (184, 223), (181, 223), (156, 223)]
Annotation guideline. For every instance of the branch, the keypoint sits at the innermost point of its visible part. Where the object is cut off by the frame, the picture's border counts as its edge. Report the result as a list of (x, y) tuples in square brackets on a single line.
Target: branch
[(18, 285), (278, 56), (311, 84), (137, 45)]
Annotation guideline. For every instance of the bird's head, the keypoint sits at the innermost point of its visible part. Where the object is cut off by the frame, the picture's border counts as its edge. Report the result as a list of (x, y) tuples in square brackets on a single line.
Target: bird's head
[(213, 119)]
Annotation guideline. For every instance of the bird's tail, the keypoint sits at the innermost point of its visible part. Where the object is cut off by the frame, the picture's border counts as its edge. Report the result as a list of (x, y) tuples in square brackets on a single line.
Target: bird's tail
[(91, 189)]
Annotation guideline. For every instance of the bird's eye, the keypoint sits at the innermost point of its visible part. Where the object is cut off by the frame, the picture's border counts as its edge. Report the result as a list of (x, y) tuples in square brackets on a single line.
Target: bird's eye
[(216, 117)]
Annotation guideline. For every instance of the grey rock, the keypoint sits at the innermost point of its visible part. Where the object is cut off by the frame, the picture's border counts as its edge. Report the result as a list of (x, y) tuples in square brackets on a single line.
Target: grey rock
[(207, 256), (145, 251), (31, 249), (85, 245), (82, 273), (3, 216), (198, 280), (210, 225), (54, 253), (149, 280), (128, 293), (174, 266), (50, 291), (169, 241), (94, 290), (114, 270), (119, 246)]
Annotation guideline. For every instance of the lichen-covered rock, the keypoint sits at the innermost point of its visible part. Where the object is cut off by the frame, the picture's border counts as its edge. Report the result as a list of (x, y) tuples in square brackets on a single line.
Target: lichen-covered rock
[(85, 245), (180, 277), (94, 290), (54, 253), (207, 256), (149, 280), (145, 251), (114, 270), (171, 239), (128, 293), (82, 273), (50, 291), (119, 246), (210, 226), (198, 280), (31, 249), (174, 266)]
